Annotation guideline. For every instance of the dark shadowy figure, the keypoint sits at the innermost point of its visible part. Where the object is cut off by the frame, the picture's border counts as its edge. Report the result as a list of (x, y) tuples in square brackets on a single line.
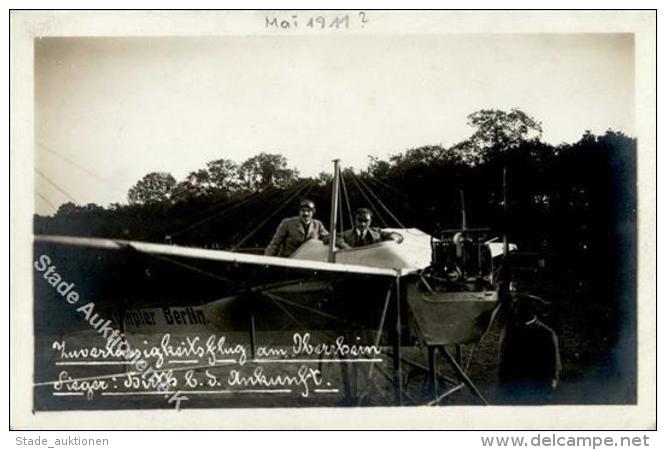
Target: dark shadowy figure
[(529, 365)]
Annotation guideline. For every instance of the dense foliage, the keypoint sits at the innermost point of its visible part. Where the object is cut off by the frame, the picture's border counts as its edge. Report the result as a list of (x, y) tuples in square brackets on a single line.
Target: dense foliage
[(569, 197)]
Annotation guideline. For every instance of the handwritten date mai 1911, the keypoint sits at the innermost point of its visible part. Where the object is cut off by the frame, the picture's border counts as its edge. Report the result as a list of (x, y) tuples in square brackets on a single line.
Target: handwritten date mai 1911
[(319, 22)]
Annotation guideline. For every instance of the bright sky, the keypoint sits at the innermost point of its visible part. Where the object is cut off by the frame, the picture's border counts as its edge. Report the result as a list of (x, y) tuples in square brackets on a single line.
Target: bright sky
[(110, 110)]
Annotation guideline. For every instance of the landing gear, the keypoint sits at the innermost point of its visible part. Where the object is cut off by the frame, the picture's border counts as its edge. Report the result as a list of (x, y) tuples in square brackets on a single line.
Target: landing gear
[(462, 379)]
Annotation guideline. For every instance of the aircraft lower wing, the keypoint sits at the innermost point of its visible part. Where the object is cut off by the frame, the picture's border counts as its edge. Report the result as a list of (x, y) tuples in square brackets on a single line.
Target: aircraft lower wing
[(212, 255), (132, 276)]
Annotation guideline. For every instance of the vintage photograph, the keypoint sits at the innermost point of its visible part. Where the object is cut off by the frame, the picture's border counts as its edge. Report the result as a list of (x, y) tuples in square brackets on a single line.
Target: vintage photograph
[(316, 215)]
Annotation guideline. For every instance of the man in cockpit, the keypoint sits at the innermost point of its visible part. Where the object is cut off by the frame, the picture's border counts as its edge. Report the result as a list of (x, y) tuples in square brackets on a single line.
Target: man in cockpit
[(362, 234), (293, 231)]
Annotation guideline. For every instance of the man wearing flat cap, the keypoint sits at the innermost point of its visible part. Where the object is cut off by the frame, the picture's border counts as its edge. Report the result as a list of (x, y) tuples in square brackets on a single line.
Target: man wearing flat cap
[(294, 231)]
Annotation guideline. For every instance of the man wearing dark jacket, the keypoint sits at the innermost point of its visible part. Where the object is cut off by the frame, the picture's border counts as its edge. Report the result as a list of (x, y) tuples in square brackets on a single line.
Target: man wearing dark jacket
[(294, 231), (529, 366), (362, 234)]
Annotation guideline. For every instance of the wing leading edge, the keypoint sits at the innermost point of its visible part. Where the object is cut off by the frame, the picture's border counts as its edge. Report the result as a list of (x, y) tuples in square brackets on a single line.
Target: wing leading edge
[(214, 255)]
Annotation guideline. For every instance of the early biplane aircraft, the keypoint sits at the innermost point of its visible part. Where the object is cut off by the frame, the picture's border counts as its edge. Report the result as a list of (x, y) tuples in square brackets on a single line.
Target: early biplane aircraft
[(438, 290)]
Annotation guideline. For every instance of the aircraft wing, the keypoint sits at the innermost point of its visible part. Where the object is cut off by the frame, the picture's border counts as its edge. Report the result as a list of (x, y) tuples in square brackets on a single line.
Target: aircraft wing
[(122, 275), (220, 256)]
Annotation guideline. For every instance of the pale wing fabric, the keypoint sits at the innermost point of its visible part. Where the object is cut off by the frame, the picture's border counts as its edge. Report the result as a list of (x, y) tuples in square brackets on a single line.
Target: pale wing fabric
[(213, 255)]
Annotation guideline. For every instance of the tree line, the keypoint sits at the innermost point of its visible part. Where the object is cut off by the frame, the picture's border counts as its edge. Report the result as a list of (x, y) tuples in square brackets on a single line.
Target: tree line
[(571, 197), (221, 177)]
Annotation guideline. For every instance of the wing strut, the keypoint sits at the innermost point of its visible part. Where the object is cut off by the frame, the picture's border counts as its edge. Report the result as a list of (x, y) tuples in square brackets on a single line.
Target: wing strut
[(334, 210)]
